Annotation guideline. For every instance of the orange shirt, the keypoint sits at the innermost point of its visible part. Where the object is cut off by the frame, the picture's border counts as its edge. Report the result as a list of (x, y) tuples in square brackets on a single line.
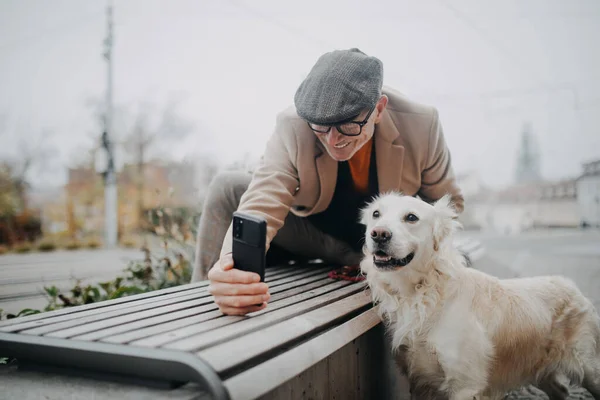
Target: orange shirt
[(359, 167)]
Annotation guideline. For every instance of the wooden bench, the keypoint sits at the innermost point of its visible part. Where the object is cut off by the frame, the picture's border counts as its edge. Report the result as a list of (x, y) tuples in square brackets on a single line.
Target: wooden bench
[(318, 338)]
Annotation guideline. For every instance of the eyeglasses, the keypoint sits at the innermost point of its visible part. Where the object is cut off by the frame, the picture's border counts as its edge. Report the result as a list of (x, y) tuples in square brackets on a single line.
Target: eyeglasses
[(348, 128)]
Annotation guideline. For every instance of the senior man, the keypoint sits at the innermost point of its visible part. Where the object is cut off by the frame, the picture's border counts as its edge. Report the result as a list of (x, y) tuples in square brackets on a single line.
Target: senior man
[(346, 139)]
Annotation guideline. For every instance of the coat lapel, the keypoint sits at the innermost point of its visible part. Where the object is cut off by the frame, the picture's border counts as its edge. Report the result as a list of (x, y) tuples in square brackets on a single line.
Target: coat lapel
[(390, 159), (390, 156), (327, 169)]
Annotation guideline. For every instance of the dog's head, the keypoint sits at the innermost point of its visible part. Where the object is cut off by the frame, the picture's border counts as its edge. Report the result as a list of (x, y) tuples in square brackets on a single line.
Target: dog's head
[(404, 232)]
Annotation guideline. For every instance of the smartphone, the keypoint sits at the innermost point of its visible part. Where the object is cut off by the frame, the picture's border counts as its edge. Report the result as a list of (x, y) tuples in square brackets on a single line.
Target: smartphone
[(249, 242)]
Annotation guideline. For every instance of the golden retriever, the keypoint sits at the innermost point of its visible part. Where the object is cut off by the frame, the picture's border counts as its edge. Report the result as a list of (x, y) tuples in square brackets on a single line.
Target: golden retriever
[(461, 334)]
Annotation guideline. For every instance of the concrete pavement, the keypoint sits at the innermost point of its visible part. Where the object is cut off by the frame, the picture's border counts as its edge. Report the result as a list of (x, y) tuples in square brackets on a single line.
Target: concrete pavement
[(23, 276)]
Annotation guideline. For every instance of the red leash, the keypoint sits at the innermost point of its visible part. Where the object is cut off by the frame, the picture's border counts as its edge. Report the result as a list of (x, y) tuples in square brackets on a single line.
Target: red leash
[(348, 273)]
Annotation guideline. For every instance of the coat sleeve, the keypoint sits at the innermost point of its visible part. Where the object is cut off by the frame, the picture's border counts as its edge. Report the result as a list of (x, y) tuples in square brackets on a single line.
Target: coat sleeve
[(437, 178), (271, 191)]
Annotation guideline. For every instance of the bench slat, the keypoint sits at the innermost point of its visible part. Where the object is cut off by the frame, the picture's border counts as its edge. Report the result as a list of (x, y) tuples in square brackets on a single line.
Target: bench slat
[(212, 323), (303, 302), (198, 298), (74, 328), (163, 333), (237, 351), (291, 363), (148, 297), (156, 295), (119, 326), (46, 326)]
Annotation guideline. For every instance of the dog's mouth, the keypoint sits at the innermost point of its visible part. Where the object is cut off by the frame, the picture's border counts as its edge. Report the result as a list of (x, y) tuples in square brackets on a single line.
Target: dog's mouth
[(384, 261)]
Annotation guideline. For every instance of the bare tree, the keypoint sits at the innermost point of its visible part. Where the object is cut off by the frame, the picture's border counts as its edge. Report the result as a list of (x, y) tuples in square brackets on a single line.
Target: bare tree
[(35, 154), (149, 134)]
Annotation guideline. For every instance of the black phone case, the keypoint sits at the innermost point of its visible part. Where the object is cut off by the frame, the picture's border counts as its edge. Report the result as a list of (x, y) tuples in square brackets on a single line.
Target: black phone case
[(249, 241)]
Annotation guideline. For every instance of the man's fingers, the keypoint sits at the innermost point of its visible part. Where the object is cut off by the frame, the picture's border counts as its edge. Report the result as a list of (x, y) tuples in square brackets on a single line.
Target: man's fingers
[(241, 301), (242, 311), (234, 276), (227, 262), (232, 289)]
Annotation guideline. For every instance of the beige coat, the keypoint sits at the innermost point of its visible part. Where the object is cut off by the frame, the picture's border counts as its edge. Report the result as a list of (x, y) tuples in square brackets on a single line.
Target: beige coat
[(297, 174)]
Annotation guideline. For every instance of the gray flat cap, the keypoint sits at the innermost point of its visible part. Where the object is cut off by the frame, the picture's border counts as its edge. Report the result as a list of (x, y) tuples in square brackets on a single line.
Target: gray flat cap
[(339, 86)]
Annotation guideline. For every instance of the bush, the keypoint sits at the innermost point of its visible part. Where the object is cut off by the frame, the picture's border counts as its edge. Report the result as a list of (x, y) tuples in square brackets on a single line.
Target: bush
[(23, 227), (23, 248), (172, 267), (73, 245), (152, 273), (3, 250), (47, 246), (129, 243), (93, 244)]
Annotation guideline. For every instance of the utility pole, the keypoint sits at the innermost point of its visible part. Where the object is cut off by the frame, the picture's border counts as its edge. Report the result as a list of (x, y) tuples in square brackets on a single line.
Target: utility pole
[(110, 178)]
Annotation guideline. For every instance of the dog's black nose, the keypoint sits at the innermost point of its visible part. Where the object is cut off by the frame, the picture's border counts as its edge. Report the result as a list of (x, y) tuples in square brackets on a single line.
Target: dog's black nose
[(381, 235)]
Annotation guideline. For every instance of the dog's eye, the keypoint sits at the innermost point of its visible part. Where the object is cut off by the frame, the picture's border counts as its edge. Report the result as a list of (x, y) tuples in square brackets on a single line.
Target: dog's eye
[(411, 218), (376, 214)]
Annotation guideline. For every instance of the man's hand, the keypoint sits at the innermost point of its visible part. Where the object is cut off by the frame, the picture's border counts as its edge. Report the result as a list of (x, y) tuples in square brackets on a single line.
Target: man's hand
[(236, 292)]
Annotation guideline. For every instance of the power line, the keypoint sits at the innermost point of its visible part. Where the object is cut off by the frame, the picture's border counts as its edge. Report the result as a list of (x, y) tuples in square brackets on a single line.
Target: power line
[(489, 39), (512, 62), (58, 29), (294, 31)]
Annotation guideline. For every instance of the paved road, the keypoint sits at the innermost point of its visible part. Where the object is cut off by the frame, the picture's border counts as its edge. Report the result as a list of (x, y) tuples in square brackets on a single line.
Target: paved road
[(572, 253), (23, 276)]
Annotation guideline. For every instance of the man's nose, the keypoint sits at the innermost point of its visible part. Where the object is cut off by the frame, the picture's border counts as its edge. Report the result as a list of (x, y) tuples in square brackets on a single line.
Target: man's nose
[(334, 136), (381, 235)]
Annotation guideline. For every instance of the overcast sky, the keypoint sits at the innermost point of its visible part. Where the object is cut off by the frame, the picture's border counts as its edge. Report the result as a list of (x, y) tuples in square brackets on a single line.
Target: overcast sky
[(488, 66)]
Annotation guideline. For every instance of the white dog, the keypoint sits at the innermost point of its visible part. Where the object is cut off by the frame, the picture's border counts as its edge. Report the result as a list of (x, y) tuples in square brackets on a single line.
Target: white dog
[(461, 334)]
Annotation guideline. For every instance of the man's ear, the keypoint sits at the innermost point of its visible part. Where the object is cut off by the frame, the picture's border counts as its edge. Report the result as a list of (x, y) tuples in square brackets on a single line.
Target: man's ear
[(381, 104), (445, 220)]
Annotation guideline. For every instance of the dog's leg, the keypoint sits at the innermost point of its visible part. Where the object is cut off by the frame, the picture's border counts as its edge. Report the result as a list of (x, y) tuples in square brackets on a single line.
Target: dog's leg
[(466, 394), (400, 357), (427, 393), (591, 366), (425, 390), (554, 388), (591, 378)]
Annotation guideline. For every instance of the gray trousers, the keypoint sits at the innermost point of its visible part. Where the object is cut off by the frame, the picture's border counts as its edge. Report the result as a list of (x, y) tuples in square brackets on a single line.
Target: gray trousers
[(298, 238)]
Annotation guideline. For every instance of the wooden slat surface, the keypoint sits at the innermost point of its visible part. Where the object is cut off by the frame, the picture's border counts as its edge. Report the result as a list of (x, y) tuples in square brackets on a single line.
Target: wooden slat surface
[(196, 298), (194, 303), (266, 339), (150, 297), (113, 332), (68, 320), (213, 323), (305, 303), (302, 303), (247, 385), (70, 312)]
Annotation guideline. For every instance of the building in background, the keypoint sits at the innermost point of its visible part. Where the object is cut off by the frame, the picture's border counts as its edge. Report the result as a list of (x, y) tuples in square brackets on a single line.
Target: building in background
[(528, 168), (531, 202), (79, 208), (522, 207), (588, 194)]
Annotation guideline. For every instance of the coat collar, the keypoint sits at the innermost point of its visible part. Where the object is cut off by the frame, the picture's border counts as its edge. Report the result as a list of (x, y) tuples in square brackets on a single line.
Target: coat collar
[(390, 159), (390, 156)]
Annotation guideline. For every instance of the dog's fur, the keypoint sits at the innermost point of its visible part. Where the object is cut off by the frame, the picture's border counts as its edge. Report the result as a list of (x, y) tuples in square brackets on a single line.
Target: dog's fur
[(459, 333)]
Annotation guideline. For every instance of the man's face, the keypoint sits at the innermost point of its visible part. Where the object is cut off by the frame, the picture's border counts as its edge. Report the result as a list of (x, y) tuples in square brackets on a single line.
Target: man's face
[(342, 147)]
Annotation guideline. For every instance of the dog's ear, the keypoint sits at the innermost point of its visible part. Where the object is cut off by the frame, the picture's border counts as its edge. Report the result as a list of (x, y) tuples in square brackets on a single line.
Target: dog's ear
[(445, 220), (363, 217)]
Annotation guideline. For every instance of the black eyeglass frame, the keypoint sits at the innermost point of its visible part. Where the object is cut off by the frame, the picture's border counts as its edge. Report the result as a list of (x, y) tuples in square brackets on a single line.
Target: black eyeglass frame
[(349, 121)]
